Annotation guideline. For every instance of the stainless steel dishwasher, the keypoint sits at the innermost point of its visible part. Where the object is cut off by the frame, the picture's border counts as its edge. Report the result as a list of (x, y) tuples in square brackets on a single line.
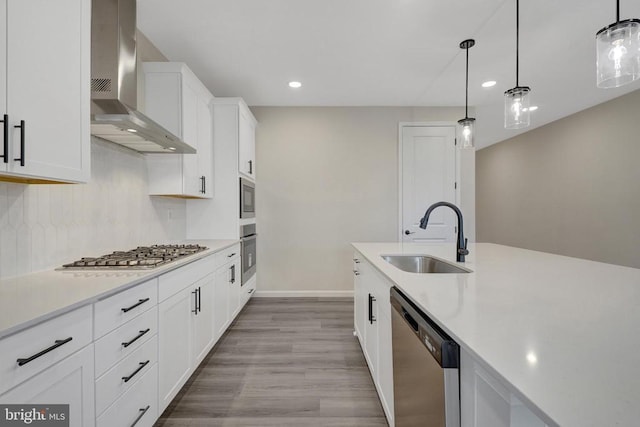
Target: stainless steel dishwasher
[(426, 385)]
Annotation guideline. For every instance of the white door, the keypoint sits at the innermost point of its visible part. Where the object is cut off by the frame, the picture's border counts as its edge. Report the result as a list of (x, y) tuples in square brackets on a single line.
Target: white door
[(205, 147), (428, 175)]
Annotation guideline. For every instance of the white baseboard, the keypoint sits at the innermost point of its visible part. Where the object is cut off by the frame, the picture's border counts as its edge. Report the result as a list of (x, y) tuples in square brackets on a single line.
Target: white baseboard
[(303, 294)]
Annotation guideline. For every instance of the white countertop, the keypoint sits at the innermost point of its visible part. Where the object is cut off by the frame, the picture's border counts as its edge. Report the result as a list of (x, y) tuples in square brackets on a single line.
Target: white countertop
[(34, 298), (564, 333)]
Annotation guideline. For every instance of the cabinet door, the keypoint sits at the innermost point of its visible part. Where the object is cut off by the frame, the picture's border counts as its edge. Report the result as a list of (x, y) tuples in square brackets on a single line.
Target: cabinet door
[(47, 87), (371, 334), (174, 345), (205, 148), (246, 141), (70, 381), (221, 314), (3, 76), (202, 321), (235, 289), (191, 180), (385, 363)]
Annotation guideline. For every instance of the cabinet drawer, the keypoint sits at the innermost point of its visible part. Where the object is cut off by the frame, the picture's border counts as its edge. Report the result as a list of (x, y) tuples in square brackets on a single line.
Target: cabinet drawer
[(120, 308), (111, 348), (248, 289), (43, 345), (138, 405), (174, 281), (227, 255), (133, 367)]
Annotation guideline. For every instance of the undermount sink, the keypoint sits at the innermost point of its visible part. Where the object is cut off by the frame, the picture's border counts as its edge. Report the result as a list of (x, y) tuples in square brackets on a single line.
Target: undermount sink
[(422, 264)]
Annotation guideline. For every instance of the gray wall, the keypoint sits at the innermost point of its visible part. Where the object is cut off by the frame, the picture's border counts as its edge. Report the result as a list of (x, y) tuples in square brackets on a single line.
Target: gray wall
[(571, 187), (326, 176)]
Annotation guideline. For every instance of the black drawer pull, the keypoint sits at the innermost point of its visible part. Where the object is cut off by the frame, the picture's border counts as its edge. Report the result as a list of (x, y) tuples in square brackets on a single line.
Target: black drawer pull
[(5, 152), (232, 255), (195, 302), (133, 374), (250, 167), (142, 412), (203, 184), (140, 302), (22, 127), (251, 291), (233, 274), (57, 344), (136, 338)]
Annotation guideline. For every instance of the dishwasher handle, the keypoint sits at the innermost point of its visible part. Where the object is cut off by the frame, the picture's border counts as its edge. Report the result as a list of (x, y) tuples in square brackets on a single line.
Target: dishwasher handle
[(443, 349)]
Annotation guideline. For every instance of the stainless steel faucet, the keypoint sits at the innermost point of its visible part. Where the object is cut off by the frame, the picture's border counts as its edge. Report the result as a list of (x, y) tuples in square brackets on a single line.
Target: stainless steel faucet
[(461, 249)]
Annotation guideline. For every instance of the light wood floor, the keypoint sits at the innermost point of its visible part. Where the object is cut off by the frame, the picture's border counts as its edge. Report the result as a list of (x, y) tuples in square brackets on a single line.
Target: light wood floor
[(284, 362)]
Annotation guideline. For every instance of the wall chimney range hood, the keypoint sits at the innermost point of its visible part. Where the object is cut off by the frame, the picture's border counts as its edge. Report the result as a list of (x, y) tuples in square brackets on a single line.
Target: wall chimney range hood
[(114, 83)]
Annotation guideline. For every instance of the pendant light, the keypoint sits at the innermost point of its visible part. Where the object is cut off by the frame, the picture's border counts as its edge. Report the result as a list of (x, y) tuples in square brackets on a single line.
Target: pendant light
[(618, 52), (466, 125), (516, 100)]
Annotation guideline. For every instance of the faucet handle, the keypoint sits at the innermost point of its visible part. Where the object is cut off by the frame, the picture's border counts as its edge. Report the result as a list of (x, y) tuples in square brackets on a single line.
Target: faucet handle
[(463, 250)]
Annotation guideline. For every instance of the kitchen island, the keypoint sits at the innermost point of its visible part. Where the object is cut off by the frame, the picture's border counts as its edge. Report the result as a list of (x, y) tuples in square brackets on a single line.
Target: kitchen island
[(560, 333)]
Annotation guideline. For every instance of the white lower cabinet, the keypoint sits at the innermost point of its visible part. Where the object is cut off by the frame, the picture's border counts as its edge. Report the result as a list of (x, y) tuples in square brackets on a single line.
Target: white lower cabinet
[(137, 406), (486, 402), (202, 320), (227, 294), (69, 381), (372, 322)]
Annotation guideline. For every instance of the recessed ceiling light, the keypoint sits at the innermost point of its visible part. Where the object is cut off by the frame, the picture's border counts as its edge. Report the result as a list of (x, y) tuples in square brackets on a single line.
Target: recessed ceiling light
[(132, 130), (489, 83), (295, 85)]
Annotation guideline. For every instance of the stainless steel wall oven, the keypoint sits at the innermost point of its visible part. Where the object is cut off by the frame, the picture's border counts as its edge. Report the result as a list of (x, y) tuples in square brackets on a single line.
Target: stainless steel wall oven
[(248, 248), (247, 199)]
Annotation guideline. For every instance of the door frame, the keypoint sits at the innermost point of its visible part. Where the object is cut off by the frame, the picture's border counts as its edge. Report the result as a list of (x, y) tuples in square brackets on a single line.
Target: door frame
[(401, 126)]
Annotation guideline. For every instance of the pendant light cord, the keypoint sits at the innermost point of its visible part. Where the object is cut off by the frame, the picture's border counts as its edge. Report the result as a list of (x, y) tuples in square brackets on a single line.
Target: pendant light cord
[(466, 89), (518, 40)]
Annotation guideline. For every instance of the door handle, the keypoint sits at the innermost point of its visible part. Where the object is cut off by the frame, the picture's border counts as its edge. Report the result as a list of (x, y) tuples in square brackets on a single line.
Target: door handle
[(372, 318), (22, 127), (407, 232), (250, 167), (233, 273), (5, 151)]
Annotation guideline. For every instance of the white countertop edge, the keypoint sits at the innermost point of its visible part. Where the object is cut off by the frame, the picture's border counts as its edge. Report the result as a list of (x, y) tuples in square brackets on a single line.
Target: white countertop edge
[(151, 274)]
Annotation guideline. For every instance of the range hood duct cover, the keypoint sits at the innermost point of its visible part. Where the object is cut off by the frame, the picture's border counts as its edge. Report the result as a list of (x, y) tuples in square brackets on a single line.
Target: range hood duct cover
[(114, 83)]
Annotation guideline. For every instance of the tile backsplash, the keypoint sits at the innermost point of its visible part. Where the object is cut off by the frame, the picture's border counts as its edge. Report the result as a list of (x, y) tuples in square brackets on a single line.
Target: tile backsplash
[(45, 226)]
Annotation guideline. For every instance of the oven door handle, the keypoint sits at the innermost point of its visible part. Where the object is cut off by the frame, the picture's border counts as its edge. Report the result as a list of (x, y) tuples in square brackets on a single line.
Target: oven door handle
[(248, 238)]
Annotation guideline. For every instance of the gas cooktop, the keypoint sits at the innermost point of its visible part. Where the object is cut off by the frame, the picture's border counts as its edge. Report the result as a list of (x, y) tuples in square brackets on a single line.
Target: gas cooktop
[(142, 257)]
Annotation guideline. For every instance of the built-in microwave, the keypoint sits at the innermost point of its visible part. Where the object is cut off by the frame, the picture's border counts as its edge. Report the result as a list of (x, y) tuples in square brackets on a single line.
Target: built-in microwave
[(247, 199)]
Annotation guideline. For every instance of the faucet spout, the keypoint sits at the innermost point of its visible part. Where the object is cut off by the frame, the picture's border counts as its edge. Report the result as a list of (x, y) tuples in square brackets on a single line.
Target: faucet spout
[(461, 248)]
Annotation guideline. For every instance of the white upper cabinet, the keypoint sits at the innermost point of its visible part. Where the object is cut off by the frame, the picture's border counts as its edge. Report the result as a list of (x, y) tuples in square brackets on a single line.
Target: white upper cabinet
[(176, 99), (44, 90), (246, 142)]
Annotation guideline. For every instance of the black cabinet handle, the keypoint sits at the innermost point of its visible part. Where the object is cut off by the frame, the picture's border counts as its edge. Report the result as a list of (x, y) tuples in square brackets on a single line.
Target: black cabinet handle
[(57, 343), (133, 374), (251, 291), (232, 255), (142, 412), (195, 302), (372, 318), (5, 151), (356, 260), (203, 184), (22, 127), (250, 167), (199, 299), (140, 302), (233, 273), (136, 338), (356, 272)]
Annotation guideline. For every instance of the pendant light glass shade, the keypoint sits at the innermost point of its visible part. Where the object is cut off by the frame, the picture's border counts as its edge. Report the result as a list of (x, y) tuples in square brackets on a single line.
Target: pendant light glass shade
[(465, 132), (516, 108), (517, 99), (618, 54)]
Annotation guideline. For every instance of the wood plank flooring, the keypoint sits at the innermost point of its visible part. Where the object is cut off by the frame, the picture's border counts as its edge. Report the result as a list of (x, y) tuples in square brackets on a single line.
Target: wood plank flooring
[(283, 362)]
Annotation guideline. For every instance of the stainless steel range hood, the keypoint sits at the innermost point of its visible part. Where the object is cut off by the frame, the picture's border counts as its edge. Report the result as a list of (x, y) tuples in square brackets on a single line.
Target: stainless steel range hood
[(114, 84)]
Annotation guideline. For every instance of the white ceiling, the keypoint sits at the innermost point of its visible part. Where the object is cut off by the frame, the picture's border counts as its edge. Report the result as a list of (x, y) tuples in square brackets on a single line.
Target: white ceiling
[(390, 52)]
